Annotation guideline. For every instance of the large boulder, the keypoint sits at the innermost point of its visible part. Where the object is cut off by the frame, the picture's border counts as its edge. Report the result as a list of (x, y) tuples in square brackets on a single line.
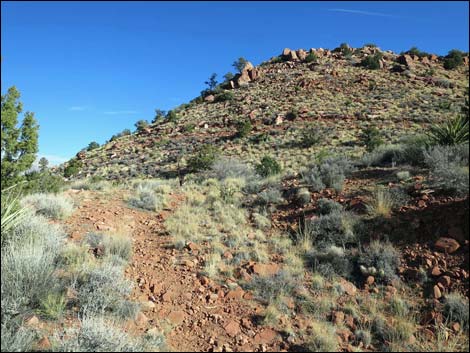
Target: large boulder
[(406, 60)]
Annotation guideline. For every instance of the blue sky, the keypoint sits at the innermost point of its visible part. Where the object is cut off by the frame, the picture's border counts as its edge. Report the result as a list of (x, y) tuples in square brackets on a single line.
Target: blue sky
[(90, 69)]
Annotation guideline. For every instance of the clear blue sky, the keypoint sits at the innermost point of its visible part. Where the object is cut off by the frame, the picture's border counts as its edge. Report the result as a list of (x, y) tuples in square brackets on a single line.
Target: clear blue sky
[(90, 69)]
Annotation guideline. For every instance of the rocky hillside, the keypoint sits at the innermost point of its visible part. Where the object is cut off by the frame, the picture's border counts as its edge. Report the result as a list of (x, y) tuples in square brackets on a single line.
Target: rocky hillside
[(329, 91)]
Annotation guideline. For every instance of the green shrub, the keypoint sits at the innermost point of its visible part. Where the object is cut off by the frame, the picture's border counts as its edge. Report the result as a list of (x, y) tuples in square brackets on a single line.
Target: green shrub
[(380, 260), (323, 338), (372, 62), (72, 168), (269, 196), (92, 146), (225, 96), (117, 245), (453, 59), (268, 166), (225, 168), (417, 52), (371, 138), (171, 116), (311, 57), (141, 125), (53, 305), (244, 128), (270, 288), (204, 158), (303, 196), (43, 182), (311, 137)]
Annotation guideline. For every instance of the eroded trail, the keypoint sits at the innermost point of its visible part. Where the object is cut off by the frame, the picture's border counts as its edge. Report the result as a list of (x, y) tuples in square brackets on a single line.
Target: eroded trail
[(195, 313)]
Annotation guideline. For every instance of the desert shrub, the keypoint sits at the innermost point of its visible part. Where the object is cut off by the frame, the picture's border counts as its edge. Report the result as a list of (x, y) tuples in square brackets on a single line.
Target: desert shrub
[(171, 116), (453, 59), (323, 338), (452, 132), (416, 51), (224, 97), (449, 168), (268, 166), (28, 265), (311, 57), (52, 306), (330, 173), (141, 125), (147, 200), (269, 196), (73, 168), (244, 128), (330, 261), (118, 245), (16, 338), (102, 288), (225, 168), (379, 259), (456, 309), (381, 203), (311, 137), (49, 205), (372, 62), (398, 307), (371, 138), (203, 158), (303, 196), (92, 146), (336, 228), (327, 206), (97, 334), (403, 175), (363, 336), (270, 288), (74, 256)]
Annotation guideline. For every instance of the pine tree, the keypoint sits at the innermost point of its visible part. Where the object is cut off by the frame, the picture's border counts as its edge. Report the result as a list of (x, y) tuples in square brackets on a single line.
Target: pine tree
[(19, 145), (43, 163)]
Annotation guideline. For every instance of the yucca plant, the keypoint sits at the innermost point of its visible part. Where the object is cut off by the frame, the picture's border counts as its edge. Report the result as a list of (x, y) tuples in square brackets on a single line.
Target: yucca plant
[(452, 132), (11, 212)]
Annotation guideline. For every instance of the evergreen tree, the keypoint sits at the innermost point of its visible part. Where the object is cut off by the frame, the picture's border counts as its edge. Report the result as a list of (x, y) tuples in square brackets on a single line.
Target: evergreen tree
[(19, 145), (212, 82), (43, 163), (239, 64)]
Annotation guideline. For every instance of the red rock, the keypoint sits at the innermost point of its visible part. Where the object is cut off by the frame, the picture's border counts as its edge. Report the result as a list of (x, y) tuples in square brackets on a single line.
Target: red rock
[(32, 321), (370, 280), (235, 294), (264, 337), (265, 269), (337, 317), (192, 246), (446, 245), (436, 271), (348, 287), (232, 328), (456, 326), (344, 335), (209, 98), (176, 317), (445, 281), (437, 292), (141, 319), (167, 297), (43, 344)]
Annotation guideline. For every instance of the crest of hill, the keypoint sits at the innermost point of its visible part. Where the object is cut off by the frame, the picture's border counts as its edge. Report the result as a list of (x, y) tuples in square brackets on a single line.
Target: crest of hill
[(338, 93)]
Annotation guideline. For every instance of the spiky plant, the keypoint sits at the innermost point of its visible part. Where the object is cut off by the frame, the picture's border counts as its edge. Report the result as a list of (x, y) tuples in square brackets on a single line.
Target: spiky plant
[(452, 132)]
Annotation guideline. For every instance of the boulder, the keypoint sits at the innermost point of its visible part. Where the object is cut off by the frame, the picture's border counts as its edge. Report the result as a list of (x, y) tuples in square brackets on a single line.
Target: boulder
[(301, 54), (406, 60), (446, 245)]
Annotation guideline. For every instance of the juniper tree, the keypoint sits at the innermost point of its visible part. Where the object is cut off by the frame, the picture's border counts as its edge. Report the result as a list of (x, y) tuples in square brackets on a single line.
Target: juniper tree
[(212, 82), (19, 145)]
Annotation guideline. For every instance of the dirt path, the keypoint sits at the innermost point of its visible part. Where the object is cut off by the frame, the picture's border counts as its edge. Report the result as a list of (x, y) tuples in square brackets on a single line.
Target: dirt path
[(196, 313)]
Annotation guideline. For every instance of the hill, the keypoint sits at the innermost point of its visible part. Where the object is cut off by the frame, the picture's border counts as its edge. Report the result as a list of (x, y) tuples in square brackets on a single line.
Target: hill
[(283, 98)]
